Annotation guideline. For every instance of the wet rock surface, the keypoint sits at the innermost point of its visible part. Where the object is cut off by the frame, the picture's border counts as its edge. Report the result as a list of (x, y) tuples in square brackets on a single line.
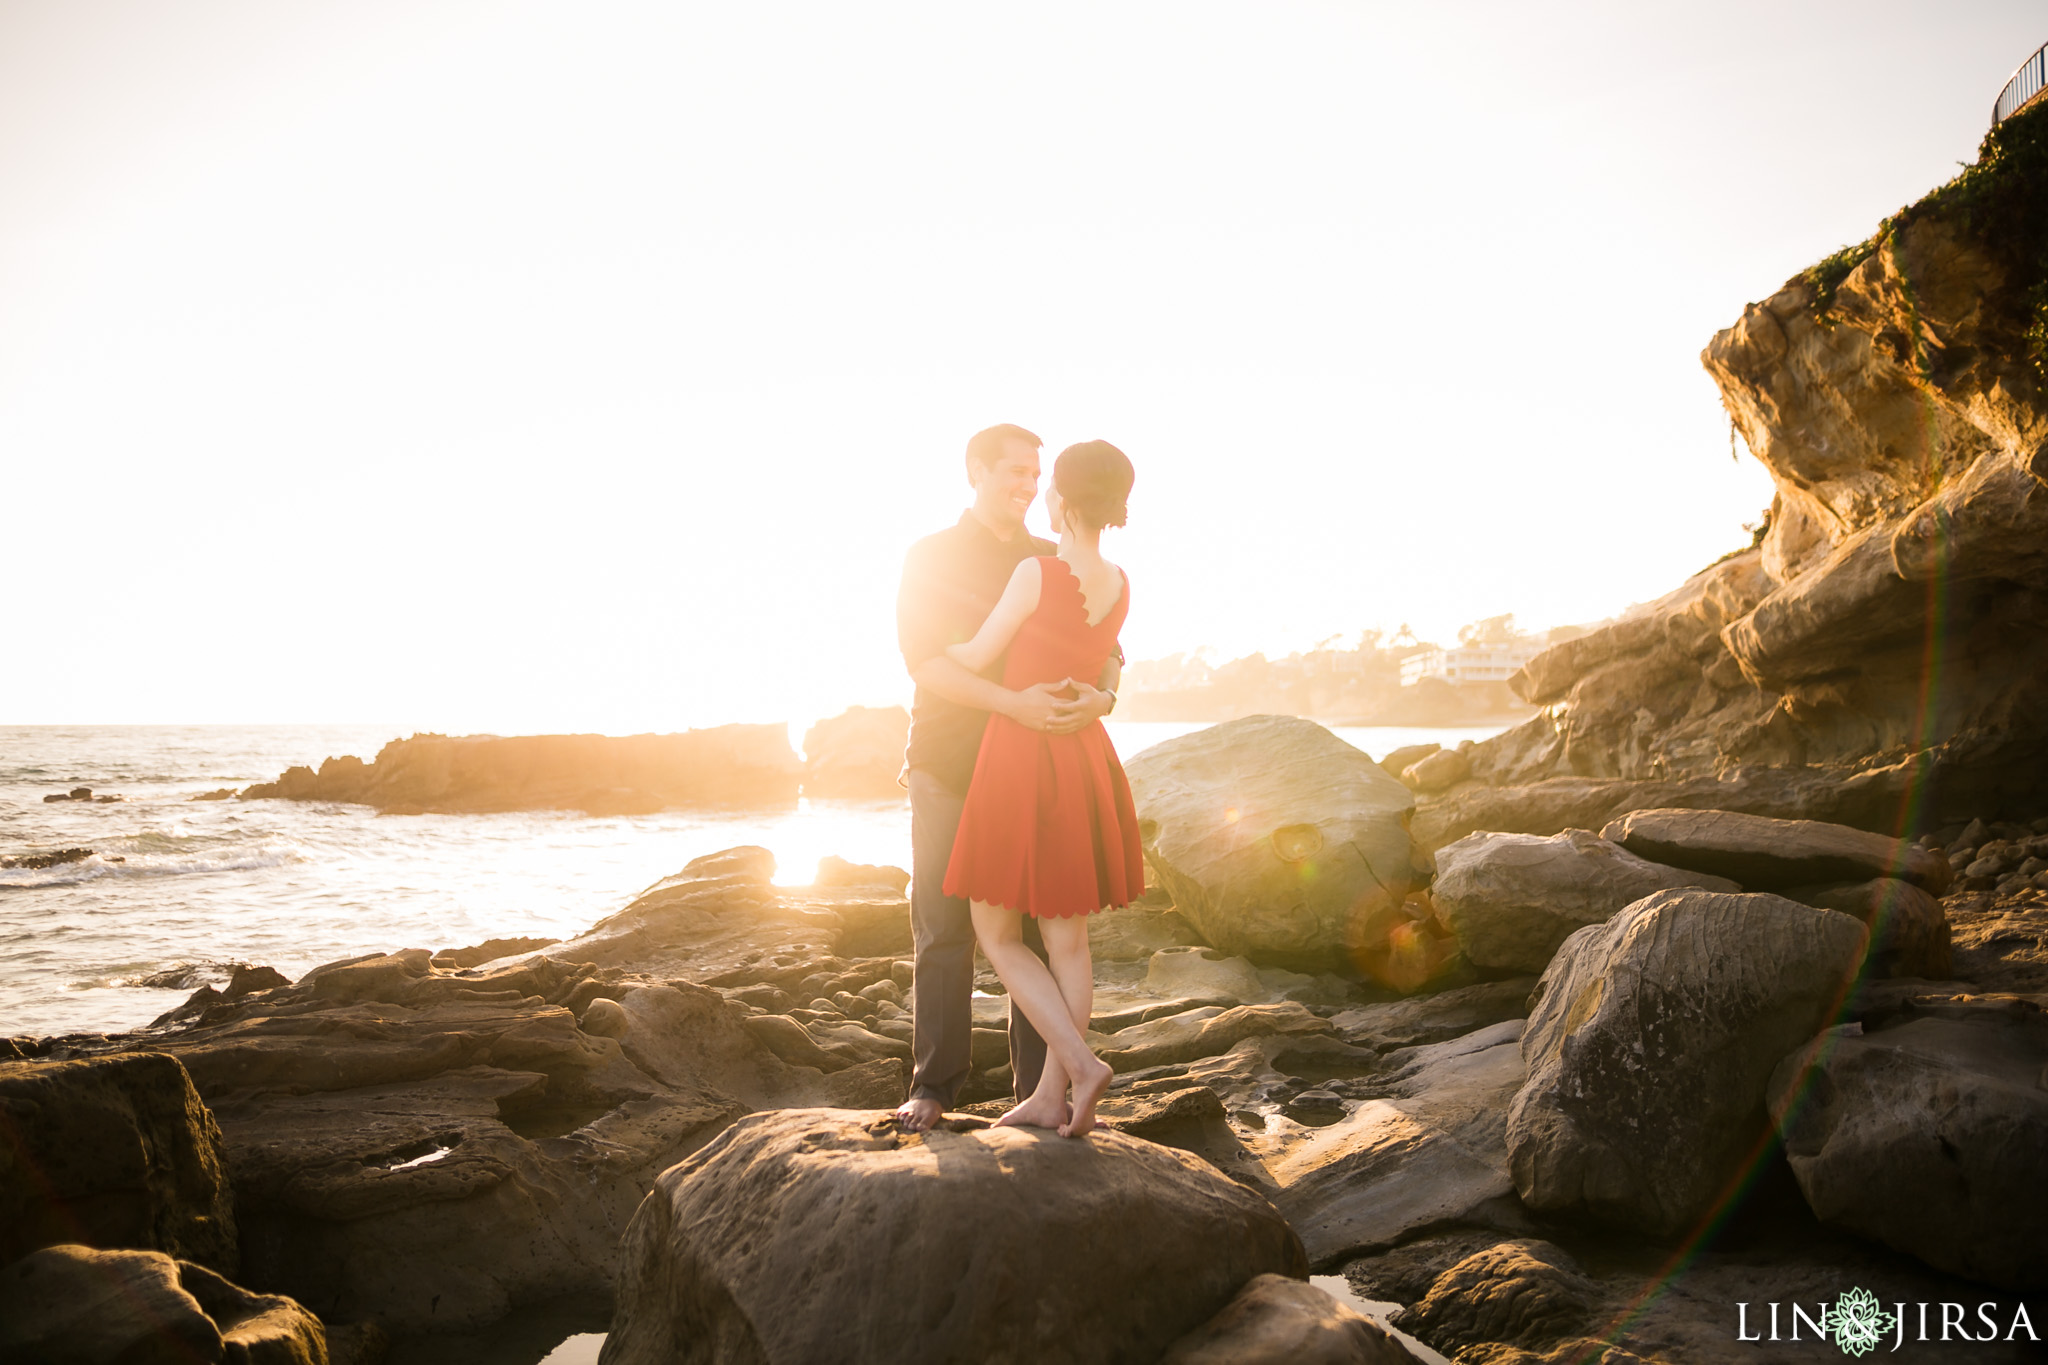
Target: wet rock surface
[(34, 862), (1425, 1144)]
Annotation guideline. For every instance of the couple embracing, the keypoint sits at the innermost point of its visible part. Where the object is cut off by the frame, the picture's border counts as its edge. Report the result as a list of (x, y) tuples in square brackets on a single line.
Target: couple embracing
[(1021, 821)]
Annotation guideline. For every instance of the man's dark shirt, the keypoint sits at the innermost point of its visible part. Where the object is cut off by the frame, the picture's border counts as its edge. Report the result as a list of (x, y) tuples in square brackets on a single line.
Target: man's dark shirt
[(951, 582)]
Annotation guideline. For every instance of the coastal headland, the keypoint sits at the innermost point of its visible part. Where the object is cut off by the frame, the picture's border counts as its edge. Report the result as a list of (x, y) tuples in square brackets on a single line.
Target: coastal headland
[(1702, 1010)]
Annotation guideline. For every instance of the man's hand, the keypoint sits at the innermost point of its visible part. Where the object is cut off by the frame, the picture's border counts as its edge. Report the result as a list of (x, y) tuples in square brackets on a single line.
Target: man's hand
[(1088, 705), (1037, 706)]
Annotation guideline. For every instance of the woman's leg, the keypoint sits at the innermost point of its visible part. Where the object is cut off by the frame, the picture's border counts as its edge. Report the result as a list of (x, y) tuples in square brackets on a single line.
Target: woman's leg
[(1066, 948), (1033, 990)]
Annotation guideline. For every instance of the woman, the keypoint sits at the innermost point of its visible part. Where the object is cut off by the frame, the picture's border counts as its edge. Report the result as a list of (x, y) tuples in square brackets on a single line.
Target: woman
[(1049, 828)]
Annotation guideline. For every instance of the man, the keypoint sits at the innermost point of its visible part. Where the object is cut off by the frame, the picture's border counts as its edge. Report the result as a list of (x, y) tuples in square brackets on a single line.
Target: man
[(950, 584)]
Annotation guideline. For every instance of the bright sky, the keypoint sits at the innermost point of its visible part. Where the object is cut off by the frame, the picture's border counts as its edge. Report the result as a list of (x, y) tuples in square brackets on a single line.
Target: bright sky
[(474, 364)]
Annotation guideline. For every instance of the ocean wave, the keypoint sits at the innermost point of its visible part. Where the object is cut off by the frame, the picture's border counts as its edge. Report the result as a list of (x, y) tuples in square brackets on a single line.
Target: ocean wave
[(110, 861), (179, 976)]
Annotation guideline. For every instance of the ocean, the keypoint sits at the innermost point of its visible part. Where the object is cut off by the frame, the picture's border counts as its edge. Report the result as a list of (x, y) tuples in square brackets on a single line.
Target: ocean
[(176, 890)]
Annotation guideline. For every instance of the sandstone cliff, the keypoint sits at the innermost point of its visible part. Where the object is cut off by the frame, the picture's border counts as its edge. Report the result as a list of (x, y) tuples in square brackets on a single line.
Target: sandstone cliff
[(1878, 657)]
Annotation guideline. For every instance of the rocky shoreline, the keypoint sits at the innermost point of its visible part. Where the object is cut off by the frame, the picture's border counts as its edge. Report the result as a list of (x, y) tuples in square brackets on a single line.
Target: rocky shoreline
[(416, 1144), (855, 755)]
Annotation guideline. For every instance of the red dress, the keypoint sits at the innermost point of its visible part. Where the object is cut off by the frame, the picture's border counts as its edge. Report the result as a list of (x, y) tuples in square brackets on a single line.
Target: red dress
[(1049, 827)]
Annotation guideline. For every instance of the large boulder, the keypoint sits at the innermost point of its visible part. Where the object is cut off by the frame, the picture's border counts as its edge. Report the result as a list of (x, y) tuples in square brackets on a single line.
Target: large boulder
[(1764, 854), (857, 754), (1511, 899), (1929, 1132), (73, 1305), (1650, 1043), (1909, 930), (1444, 768), (989, 1244), (1527, 1292), (1278, 841), (1275, 1320), (112, 1152)]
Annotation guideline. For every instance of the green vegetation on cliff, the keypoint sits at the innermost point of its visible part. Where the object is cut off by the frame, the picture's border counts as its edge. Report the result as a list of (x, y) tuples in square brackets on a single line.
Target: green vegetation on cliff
[(2001, 200)]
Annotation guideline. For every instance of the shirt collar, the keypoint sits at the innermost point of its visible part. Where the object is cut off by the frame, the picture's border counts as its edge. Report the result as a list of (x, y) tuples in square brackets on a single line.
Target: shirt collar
[(970, 522)]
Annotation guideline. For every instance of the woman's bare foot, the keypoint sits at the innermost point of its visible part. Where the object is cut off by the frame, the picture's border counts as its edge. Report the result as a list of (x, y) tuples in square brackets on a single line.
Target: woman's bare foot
[(918, 1115), (1088, 1088), (1036, 1112)]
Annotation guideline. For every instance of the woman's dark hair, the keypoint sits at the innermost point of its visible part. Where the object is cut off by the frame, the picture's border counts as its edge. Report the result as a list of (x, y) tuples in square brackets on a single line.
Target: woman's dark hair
[(1094, 479)]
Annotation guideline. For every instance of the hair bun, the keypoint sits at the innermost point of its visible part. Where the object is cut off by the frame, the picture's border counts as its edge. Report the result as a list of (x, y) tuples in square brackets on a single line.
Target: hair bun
[(1094, 479)]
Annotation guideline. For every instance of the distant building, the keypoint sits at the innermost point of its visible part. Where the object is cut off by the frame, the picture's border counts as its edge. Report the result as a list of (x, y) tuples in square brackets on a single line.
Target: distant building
[(1467, 665)]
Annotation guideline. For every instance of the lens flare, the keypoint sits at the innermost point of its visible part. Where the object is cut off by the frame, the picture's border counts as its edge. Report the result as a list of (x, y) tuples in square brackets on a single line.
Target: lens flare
[(1916, 812)]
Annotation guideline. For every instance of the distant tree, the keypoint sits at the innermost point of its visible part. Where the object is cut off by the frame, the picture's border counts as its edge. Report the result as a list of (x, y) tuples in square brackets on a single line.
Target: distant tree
[(1493, 630)]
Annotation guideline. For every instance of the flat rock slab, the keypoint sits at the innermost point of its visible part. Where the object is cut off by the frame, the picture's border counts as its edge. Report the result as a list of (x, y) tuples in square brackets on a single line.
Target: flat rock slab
[(1433, 1150), (1435, 1018), (721, 921), (1192, 971), (1764, 854), (992, 1244), (1205, 1033), (1135, 933), (1511, 899), (1283, 1321), (1650, 1045), (1929, 1134)]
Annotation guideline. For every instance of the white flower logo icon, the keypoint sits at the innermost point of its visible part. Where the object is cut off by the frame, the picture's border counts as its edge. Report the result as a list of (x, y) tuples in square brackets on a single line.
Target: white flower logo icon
[(1858, 1322)]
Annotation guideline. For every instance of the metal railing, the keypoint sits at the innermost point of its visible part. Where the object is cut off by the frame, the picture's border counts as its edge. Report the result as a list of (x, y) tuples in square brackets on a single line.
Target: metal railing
[(2024, 88)]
